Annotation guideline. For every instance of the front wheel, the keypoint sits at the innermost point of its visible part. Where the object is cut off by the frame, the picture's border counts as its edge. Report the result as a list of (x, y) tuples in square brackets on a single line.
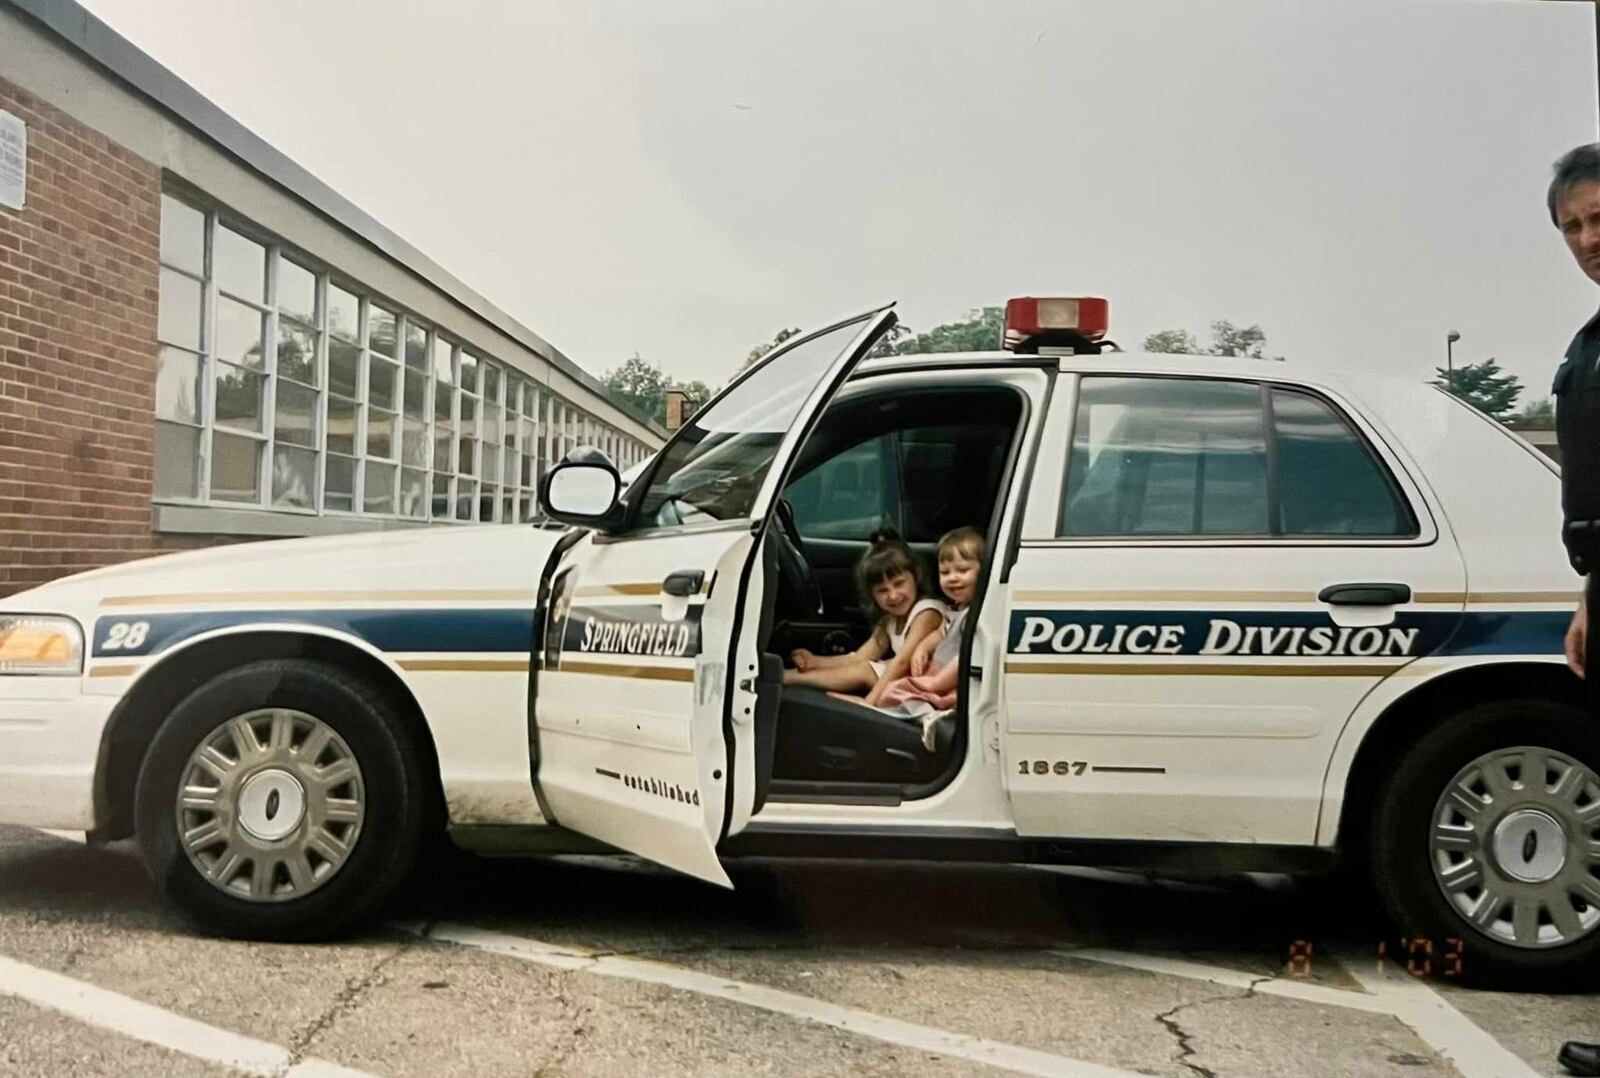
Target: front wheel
[(1487, 834), (280, 800)]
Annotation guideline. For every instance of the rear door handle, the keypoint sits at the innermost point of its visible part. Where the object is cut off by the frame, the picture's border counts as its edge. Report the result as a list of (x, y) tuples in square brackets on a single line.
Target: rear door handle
[(1365, 594), (684, 583)]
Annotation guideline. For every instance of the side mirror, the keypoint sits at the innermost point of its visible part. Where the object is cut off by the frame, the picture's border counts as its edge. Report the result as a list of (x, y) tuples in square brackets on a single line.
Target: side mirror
[(582, 494)]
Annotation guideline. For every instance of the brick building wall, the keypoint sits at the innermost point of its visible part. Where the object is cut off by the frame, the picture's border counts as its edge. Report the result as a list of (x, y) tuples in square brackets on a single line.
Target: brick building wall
[(78, 294)]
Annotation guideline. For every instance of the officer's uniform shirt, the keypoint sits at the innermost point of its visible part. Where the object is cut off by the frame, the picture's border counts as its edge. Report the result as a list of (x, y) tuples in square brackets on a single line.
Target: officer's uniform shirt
[(1577, 393)]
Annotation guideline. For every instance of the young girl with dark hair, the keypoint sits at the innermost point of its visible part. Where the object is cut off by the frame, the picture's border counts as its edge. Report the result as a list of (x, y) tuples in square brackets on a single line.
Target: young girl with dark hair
[(892, 588)]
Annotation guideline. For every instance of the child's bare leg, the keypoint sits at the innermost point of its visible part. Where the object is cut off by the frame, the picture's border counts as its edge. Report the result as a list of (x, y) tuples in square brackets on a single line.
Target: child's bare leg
[(856, 677)]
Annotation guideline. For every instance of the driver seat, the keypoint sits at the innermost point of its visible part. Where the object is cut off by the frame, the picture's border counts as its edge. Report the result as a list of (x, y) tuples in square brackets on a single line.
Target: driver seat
[(824, 739)]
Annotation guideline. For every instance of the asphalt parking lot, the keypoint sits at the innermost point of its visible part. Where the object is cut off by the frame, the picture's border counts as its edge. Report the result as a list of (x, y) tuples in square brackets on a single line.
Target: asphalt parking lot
[(596, 967)]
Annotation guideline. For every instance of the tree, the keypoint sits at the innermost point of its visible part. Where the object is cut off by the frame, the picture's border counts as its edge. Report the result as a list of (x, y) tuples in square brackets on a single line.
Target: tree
[(979, 331), (1177, 341), (696, 391), (889, 341), (1483, 386), (761, 350), (1538, 411), (639, 385), (1227, 339)]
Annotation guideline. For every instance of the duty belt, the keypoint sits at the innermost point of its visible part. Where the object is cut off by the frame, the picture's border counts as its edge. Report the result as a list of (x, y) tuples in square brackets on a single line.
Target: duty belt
[(1582, 539)]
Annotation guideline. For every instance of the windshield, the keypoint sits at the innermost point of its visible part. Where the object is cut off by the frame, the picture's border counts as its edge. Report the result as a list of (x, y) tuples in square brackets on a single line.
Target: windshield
[(715, 466)]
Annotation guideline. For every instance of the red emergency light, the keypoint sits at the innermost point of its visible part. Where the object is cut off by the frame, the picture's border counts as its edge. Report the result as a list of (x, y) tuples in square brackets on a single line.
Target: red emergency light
[(1069, 323)]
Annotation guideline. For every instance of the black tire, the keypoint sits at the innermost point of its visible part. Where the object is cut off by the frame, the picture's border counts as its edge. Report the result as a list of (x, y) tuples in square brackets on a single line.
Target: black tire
[(398, 796), (1400, 855)]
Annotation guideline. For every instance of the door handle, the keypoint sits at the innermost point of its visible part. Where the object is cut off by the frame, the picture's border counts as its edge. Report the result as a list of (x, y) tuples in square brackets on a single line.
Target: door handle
[(684, 583), (1365, 594)]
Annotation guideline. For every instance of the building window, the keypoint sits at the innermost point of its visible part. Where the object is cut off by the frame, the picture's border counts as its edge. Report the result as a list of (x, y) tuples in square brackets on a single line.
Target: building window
[(278, 387)]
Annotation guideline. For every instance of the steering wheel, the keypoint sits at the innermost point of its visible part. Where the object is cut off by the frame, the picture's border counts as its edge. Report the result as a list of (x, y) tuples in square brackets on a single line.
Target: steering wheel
[(794, 570)]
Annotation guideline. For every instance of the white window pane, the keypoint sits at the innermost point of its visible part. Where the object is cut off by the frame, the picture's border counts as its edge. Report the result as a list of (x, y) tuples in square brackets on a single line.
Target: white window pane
[(416, 346), (235, 468), (416, 395), (339, 487), (441, 361), (239, 265), (178, 313), (295, 420), (381, 428), (413, 493), (383, 381), (378, 494), (239, 394), (491, 463), (508, 508), (344, 313), (178, 385), (466, 499), (297, 352), (525, 508), (297, 291), (240, 330), (294, 477), (440, 509), (466, 455), (414, 444), (382, 325), (341, 425), (443, 443), (183, 236), (344, 368), (177, 461), (491, 382), (488, 495), (469, 373)]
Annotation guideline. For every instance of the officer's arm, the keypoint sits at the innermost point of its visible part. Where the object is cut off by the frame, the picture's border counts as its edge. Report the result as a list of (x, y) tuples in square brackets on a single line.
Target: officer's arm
[(1578, 634)]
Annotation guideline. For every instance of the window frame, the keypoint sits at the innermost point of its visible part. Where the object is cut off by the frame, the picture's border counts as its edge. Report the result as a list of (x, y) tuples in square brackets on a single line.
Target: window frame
[(1408, 492)]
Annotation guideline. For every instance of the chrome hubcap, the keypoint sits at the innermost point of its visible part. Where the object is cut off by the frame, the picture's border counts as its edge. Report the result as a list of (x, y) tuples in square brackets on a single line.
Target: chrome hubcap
[(1515, 846), (270, 805)]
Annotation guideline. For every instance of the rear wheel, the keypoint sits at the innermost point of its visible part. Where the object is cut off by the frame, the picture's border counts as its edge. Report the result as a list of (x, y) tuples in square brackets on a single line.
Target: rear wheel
[(280, 800), (1488, 833)]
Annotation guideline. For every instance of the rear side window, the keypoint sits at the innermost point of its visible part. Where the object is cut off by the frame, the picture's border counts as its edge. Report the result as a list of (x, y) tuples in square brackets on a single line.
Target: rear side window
[(1329, 481), (1207, 457)]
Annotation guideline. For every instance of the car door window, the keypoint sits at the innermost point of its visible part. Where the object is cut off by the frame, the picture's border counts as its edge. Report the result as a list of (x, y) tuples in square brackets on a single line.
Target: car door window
[(1167, 456), (714, 468), (1329, 480), (849, 495), (1208, 457)]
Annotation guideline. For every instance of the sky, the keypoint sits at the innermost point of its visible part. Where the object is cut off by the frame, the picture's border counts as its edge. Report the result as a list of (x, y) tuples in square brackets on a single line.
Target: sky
[(683, 179)]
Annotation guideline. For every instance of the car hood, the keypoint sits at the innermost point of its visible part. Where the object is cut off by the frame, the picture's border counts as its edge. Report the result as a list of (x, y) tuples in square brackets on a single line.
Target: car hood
[(489, 563)]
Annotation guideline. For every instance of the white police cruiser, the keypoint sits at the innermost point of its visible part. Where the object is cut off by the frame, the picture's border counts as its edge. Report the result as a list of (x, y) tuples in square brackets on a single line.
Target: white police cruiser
[(1235, 616)]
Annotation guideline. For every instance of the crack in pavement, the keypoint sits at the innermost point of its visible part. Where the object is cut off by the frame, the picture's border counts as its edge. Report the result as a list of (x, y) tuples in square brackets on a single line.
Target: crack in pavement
[(346, 1000), (1184, 1037)]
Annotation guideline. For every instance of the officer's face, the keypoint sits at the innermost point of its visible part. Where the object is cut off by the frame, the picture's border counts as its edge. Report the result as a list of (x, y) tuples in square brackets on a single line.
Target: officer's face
[(1578, 217)]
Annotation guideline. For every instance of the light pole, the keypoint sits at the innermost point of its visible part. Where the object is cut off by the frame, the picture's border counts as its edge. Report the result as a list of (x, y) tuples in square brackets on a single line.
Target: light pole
[(1449, 356)]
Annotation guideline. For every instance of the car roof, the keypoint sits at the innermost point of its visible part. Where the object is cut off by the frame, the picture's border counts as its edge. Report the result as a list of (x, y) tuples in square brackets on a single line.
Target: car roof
[(1167, 363)]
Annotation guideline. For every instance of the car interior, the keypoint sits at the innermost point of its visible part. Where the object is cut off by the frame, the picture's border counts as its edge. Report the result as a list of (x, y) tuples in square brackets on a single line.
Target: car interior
[(922, 462)]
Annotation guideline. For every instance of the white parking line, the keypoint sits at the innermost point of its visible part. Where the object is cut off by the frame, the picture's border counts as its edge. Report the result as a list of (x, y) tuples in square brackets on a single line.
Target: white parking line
[(849, 1019), (1453, 1035), (142, 1021), (1474, 1053), (66, 836)]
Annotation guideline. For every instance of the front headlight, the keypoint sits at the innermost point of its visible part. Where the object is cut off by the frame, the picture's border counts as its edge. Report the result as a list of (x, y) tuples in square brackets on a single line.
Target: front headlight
[(39, 644)]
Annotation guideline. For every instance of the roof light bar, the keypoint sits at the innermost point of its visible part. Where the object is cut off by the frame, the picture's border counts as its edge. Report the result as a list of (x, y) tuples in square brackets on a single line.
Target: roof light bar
[(1072, 322)]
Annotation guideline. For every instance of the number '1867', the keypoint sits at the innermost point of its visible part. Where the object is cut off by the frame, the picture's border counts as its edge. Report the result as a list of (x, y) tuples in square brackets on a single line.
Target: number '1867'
[(1047, 767)]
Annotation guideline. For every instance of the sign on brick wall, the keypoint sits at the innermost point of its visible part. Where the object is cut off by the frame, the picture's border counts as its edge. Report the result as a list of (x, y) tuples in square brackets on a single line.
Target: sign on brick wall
[(13, 160)]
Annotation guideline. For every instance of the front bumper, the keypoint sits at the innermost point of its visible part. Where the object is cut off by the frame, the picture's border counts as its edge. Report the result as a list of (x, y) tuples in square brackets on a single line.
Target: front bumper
[(50, 734)]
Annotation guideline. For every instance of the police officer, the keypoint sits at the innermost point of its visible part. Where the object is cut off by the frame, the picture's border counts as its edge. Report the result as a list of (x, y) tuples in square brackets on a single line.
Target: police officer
[(1574, 201)]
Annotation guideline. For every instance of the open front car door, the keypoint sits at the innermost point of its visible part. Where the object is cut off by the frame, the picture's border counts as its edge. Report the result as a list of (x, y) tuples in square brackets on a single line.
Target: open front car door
[(649, 673)]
